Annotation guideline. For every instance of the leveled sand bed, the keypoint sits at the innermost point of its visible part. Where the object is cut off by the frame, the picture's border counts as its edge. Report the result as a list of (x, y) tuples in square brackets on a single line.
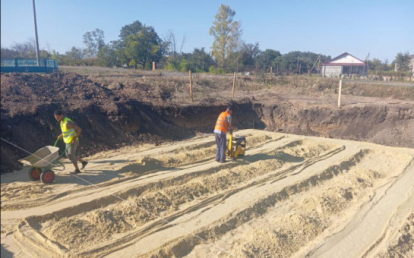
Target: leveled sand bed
[(289, 196)]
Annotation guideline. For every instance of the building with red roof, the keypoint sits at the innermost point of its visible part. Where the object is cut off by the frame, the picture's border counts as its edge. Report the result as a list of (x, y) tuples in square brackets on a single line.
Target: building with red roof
[(346, 64)]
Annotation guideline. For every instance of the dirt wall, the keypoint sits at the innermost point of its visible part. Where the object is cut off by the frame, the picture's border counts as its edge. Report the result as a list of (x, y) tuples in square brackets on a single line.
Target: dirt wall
[(391, 125), (116, 116)]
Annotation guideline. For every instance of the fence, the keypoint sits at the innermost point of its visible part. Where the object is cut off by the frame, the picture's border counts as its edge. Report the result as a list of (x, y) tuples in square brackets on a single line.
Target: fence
[(28, 65)]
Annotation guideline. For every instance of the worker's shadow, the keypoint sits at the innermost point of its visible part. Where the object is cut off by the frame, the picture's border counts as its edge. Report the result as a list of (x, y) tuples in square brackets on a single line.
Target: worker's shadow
[(5, 253), (111, 161), (154, 167), (282, 156), (95, 176)]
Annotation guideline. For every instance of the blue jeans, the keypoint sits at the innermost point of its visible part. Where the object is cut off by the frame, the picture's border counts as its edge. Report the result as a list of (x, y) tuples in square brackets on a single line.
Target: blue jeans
[(221, 146)]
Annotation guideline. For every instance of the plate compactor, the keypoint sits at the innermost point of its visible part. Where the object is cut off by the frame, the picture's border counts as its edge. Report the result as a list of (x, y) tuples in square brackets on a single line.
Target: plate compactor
[(236, 146)]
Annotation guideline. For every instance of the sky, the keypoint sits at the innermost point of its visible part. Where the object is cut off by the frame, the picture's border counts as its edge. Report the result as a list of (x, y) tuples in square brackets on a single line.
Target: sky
[(329, 27)]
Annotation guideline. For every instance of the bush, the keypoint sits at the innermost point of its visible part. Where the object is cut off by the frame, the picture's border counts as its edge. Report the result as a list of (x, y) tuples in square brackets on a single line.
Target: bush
[(213, 70), (132, 63), (184, 65)]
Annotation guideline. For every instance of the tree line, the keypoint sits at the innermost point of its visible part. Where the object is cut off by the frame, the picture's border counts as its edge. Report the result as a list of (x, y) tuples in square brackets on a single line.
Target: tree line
[(139, 45)]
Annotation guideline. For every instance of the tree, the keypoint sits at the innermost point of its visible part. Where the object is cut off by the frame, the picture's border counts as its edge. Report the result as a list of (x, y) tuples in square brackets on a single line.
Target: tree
[(107, 56), (199, 60), (174, 55), (129, 38), (94, 41), (120, 45), (145, 46), (242, 58), (298, 62), (248, 54), (402, 61), (119, 49), (7, 53), (375, 65), (386, 65), (26, 49), (173, 45), (131, 29), (74, 53), (266, 59), (226, 33)]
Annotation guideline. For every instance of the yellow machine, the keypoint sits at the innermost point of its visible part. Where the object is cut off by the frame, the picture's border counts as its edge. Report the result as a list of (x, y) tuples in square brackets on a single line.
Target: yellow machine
[(236, 146)]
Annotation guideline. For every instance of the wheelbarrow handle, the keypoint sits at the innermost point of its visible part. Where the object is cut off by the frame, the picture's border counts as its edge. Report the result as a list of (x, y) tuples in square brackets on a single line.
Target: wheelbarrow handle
[(63, 153), (57, 142)]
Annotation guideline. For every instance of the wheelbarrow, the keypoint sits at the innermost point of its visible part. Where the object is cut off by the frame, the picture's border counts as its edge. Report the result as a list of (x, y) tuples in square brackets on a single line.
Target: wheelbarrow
[(42, 161)]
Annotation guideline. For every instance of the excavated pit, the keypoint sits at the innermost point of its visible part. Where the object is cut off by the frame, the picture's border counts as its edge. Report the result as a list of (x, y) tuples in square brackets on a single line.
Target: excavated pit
[(153, 189), (141, 114)]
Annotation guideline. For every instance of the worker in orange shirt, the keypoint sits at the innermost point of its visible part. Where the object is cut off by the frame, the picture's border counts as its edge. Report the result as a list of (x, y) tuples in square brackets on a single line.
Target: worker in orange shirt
[(223, 124)]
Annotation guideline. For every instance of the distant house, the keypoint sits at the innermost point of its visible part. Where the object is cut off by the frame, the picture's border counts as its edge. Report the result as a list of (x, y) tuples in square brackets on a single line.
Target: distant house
[(344, 64)]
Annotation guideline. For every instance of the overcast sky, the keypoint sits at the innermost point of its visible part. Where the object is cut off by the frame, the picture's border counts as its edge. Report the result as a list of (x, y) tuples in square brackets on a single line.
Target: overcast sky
[(329, 27)]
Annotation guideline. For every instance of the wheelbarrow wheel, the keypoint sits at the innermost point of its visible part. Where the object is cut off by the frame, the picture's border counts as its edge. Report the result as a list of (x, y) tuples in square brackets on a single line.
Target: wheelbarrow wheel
[(47, 177), (34, 173)]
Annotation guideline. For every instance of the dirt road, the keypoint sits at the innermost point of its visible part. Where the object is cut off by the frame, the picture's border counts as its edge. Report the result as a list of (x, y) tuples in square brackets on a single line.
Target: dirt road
[(290, 196)]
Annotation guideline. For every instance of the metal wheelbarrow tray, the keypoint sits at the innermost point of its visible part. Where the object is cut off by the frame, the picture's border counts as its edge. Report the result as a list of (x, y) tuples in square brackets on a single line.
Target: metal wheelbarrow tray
[(42, 161)]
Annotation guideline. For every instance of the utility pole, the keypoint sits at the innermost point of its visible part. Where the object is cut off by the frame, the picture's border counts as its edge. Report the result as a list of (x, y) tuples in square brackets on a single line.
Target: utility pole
[(35, 25)]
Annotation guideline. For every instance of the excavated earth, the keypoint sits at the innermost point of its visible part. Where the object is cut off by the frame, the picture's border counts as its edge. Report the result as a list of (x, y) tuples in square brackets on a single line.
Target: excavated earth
[(111, 118), (316, 180)]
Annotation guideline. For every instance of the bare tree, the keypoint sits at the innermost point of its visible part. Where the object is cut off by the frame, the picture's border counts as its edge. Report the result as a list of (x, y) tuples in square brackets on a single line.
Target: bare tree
[(26, 49), (171, 39), (182, 44)]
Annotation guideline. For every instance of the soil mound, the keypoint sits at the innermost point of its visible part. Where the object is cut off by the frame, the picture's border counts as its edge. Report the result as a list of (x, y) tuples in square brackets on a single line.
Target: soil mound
[(18, 90), (108, 118)]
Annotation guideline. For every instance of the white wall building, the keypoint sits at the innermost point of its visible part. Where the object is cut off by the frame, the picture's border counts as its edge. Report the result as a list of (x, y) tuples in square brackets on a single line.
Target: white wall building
[(344, 64), (412, 64)]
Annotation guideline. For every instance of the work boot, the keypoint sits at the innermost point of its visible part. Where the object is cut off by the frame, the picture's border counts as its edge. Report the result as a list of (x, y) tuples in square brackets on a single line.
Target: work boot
[(77, 171), (84, 164)]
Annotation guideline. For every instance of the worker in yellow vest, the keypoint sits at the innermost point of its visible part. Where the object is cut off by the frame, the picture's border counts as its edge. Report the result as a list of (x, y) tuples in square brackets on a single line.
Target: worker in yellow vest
[(223, 124), (70, 135)]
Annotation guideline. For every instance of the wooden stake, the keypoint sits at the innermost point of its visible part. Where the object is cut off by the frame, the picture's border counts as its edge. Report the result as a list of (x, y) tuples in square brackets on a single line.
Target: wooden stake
[(339, 93), (234, 83), (191, 86), (271, 74)]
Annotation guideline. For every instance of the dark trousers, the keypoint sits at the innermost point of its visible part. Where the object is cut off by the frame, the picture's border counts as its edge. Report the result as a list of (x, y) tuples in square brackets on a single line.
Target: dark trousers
[(221, 146)]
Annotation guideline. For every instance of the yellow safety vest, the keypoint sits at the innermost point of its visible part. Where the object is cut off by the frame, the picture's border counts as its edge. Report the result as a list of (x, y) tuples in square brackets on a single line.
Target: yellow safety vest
[(68, 134), (221, 123)]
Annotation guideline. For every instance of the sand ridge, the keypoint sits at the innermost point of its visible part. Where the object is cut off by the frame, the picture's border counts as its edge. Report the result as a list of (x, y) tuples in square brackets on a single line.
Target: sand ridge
[(290, 196)]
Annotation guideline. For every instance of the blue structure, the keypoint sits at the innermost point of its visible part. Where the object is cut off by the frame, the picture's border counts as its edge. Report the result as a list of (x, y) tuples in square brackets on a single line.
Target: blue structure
[(28, 65)]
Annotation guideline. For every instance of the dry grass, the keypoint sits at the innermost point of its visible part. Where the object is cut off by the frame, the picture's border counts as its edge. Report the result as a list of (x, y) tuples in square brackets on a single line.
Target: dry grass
[(214, 88)]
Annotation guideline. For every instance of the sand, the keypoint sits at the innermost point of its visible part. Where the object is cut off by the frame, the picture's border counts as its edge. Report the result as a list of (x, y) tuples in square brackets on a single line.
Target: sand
[(289, 196)]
